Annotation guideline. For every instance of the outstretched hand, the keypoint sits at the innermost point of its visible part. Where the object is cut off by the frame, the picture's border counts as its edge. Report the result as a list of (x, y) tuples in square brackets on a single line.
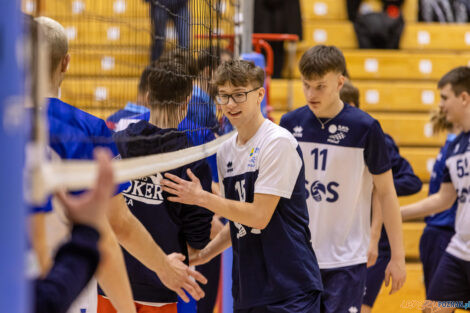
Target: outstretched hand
[(90, 207), (184, 191), (178, 277)]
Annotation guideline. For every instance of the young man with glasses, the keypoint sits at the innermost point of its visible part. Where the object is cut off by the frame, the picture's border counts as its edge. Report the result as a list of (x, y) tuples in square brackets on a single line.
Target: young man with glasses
[(262, 179)]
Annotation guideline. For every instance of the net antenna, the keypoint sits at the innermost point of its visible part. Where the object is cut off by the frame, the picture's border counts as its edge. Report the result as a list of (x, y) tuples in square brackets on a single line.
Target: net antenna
[(110, 44)]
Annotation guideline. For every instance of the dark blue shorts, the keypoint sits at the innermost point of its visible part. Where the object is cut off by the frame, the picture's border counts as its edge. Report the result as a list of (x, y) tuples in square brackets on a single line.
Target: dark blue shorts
[(432, 246), (451, 282), (343, 288), (302, 303)]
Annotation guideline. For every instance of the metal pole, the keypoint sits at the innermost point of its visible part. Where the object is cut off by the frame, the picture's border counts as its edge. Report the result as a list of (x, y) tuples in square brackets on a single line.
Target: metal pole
[(248, 8), (12, 138)]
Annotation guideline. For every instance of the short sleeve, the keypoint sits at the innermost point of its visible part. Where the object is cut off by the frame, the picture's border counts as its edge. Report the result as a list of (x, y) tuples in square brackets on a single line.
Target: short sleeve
[(279, 168), (376, 151)]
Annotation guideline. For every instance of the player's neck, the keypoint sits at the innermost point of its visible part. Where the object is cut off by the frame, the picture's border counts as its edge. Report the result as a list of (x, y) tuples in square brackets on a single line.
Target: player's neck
[(331, 111), (249, 129), (162, 119)]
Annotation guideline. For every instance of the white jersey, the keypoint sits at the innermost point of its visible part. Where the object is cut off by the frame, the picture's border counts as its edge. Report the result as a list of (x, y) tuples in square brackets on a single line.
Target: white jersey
[(457, 171), (340, 159), (277, 262)]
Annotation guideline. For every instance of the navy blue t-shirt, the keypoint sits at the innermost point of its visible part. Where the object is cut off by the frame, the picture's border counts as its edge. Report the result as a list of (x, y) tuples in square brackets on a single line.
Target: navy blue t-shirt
[(172, 225)]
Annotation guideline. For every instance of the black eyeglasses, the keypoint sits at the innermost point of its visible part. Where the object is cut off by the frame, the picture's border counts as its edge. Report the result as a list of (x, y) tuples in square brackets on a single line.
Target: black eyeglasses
[(238, 97)]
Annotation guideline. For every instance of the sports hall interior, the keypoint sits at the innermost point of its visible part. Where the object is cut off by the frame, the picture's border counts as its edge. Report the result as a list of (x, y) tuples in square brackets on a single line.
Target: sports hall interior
[(397, 87)]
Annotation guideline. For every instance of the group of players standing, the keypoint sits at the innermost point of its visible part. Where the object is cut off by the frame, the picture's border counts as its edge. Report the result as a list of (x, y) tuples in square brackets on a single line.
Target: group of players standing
[(297, 197)]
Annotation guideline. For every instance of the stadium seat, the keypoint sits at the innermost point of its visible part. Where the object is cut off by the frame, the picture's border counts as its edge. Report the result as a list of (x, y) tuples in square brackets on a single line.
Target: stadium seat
[(87, 93), (421, 159), (120, 33), (405, 65), (436, 36), (375, 96), (409, 129), (336, 10), (108, 62), (416, 36), (110, 8), (340, 34), (323, 10)]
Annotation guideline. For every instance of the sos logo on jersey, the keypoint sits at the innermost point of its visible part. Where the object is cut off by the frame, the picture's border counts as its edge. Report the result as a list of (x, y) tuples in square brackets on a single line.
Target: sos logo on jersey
[(320, 191)]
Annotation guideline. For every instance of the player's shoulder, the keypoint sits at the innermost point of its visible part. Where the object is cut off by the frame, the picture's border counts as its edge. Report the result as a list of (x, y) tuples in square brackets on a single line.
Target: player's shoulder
[(275, 138), (357, 117), (295, 115), (459, 145), (75, 117)]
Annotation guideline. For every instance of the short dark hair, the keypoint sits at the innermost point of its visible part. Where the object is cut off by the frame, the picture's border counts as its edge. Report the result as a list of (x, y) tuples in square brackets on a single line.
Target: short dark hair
[(144, 80), (239, 73), (320, 60), (169, 81), (349, 93), (182, 56), (208, 57), (458, 78)]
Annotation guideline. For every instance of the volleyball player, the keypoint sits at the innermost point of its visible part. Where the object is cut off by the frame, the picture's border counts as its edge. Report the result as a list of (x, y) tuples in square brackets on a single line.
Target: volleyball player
[(346, 157), (172, 225), (451, 282), (73, 135), (261, 176)]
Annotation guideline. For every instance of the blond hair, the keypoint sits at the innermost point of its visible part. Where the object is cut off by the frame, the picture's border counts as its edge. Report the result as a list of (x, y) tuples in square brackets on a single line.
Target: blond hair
[(439, 122), (56, 39)]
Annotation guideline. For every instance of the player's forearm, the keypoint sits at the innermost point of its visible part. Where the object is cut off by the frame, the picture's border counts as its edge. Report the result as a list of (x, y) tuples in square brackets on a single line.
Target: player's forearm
[(236, 211), (39, 242), (430, 205), (393, 224), (221, 242), (377, 219), (112, 273)]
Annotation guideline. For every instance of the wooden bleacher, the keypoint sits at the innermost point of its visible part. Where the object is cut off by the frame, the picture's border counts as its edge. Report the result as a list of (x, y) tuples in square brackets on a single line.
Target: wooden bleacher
[(397, 87)]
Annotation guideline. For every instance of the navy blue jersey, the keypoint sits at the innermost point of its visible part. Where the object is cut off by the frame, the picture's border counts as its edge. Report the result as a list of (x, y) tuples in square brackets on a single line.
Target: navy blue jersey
[(172, 225), (341, 155), (457, 171), (447, 217), (405, 180), (277, 262)]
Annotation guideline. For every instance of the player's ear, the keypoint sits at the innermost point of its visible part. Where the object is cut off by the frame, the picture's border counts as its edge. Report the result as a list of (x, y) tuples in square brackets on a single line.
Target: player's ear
[(465, 97), (65, 63), (341, 81), (261, 93)]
